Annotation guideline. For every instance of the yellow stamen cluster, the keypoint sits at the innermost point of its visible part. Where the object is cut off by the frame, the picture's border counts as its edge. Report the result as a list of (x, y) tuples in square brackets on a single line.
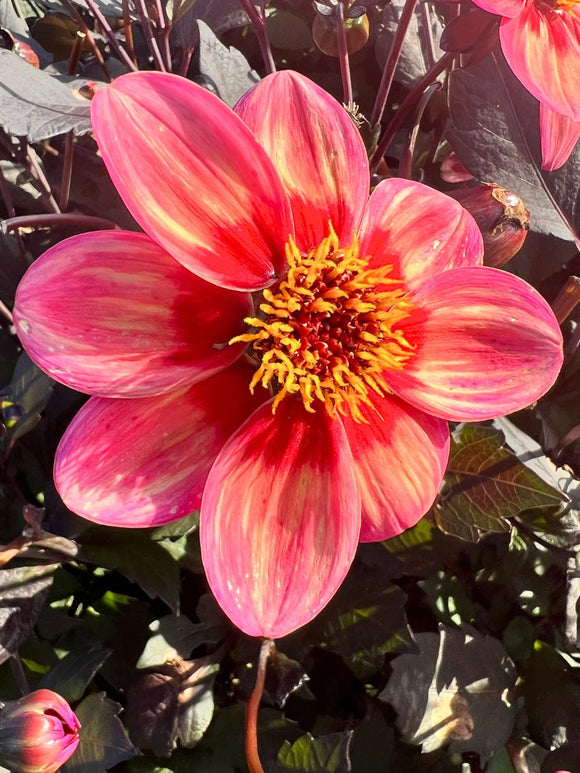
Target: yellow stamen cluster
[(329, 330)]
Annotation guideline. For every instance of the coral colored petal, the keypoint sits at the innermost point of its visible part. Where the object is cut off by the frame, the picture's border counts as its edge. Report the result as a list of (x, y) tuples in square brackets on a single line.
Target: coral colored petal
[(419, 231), (317, 151), (280, 519), (486, 344), (559, 136), (112, 314), (144, 462), (502, 7), (194, 177), (542, 46), (400, 458)]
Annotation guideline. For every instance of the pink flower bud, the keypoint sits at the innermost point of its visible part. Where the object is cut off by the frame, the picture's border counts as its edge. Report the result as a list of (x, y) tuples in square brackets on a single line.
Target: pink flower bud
[(38, 733), (502, 219)]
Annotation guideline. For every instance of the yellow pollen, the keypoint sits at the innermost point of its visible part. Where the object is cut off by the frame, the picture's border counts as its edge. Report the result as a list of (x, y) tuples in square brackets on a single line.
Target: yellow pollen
[(329, 330)]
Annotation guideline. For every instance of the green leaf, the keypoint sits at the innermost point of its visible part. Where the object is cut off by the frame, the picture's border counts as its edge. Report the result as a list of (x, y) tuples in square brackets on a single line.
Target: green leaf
[(486, 484), (173, 704), (327, 754), (141, 559), (364, 621), (23, 591), (72, 675), (458, 690), (103, 740), (175, 637)]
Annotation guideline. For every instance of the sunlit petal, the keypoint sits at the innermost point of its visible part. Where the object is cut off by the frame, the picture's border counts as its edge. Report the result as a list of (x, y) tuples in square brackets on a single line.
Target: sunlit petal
[(502, 7), (559, 137), (400, 457), (194, 177), (317, 151), (486, 344), (419, 231), (542, 46), (144, 462), (111, 313), (280, 519)]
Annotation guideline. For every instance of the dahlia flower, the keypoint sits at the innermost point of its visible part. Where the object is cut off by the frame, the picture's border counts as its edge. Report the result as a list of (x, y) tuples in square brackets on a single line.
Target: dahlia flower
[(38, 733), (277, 347), (541, 42)]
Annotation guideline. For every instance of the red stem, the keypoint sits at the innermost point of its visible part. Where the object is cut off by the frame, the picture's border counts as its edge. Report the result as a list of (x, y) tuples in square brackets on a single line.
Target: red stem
[(259, 24), (343, 55), (252, 754), (407, 105), (391, 63)]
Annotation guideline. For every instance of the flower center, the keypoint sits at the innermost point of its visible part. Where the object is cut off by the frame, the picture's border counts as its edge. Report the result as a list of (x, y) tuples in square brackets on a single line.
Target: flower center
[(329, 330)]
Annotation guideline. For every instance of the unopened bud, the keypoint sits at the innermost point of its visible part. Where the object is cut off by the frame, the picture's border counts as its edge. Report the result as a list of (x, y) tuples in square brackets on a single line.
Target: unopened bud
[(502, 219), (324, 33), (38, 733)]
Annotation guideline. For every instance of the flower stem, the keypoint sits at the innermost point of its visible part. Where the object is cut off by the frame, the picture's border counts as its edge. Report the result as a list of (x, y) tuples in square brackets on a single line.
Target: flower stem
[(391, 63), (106, 27), (259, 23), (406, 165), (67, 167), (343, 55), (252, 755), (407, 105), (567, 299), (68, 220)]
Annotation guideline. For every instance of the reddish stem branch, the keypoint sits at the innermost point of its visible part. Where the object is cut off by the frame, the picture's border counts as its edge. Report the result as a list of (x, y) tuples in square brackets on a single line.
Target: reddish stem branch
[(406, 166), (252, 754), (105, 26), (66, 172), (343, 55), (407, 105), (392, 61), (56, 220), (259, 23)]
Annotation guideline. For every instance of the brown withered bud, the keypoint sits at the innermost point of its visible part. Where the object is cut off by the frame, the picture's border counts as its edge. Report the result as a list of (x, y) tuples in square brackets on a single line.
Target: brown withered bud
[(502, 219)]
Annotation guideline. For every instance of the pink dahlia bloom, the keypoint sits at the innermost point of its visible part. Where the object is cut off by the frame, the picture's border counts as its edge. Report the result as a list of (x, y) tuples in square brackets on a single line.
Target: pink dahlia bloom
[(541, 41), (38, 733), (277, 346)]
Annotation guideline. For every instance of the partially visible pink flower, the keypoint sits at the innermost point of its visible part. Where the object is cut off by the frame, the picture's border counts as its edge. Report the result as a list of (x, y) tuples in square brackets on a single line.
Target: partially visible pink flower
[(38, 733), (278, 346), (559, 136), (541, 41)]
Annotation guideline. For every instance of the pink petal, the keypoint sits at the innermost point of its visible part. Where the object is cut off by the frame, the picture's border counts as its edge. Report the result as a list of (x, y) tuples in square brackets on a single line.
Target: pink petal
[(194, 177), (144, 462), (111, 313), (559, 136), (486, 344), (317, 151), (418, 230), (400, 458), (542, 46), (280, 519), (502, 7)]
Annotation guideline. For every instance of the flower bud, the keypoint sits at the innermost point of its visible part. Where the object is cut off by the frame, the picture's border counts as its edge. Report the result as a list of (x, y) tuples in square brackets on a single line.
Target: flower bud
[(38, 733), (324, 33), (502, 219)]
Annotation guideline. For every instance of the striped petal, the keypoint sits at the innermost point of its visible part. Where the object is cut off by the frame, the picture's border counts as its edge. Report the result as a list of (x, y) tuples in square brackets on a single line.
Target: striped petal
[(486, 344), (419, 231), (317, 151), (502, 7), (559, 136), (400, 457), (542, 46), (194, 177), (144, 462), (280, 519), (111, 313)]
